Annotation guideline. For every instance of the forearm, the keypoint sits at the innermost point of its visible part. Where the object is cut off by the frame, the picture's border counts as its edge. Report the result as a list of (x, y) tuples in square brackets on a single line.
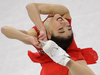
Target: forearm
[(13, 33), (34, 15), (35, 9)]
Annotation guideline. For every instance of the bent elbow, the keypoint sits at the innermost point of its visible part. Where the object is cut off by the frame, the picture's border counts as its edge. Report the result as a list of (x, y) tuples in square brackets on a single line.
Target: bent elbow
[(3, 29), (27, 6), (30, 5)]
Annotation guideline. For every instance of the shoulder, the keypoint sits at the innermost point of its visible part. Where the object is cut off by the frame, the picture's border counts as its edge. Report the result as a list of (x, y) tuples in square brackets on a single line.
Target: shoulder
[(32, 31)]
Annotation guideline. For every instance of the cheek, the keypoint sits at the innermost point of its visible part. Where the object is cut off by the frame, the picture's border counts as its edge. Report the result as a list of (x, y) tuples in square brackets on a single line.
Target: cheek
[(53, 29), (55, 25), (67, 33)]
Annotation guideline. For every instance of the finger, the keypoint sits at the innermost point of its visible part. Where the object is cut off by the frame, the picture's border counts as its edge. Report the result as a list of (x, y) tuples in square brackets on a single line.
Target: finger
[(39, 45), (36, 43), (40, 35), (45, 39), (41, 38)]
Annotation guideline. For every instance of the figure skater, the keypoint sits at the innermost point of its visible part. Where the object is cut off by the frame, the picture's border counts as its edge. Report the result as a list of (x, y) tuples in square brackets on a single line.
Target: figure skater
[(56, 27)]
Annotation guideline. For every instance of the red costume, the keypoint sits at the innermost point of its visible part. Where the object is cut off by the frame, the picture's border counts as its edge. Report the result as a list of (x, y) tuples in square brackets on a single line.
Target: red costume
[(49, 67)]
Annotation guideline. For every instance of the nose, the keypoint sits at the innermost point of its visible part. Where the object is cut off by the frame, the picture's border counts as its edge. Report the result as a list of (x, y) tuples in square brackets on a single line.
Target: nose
[(64, 24), (62, 21)]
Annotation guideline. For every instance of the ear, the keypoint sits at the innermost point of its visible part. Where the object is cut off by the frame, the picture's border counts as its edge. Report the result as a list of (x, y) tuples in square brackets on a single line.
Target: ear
[(48, 35)]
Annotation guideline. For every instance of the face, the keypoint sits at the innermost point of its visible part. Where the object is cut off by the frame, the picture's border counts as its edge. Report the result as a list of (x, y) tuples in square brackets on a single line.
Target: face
[(59, 27)]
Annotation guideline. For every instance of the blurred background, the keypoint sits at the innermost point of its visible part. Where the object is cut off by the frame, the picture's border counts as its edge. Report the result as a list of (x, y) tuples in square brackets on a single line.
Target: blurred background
[(13, 53)]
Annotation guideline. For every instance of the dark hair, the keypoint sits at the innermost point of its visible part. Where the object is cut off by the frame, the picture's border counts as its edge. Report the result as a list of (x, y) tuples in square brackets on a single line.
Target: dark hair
[(62, 42)]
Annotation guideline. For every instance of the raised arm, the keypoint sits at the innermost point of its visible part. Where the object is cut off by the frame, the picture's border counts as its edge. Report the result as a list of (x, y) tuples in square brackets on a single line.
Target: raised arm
[(35, 9), (24, 36)]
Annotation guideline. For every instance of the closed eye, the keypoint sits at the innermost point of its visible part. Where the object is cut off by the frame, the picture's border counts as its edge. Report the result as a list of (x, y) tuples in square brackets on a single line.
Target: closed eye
[(62, 32), (69, 29), (60, 28)]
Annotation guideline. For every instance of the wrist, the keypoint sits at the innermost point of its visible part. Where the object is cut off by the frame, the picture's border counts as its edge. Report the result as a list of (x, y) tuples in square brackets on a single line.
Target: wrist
[(41, 29), (27, 38)]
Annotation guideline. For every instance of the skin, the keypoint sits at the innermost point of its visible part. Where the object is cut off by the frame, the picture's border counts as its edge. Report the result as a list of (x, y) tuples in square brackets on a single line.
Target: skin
[(59, 27), (30, 37), (40, 8)]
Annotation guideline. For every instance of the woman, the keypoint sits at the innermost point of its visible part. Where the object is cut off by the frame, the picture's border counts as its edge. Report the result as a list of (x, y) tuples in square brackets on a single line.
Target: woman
[(56, 27)]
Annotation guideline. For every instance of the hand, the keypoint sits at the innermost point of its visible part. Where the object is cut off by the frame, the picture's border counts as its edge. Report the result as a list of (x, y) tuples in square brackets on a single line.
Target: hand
[(43, 35), (35, 41)]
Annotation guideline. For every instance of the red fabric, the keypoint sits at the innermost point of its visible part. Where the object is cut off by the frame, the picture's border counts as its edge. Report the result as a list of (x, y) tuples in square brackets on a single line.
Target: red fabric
[(49, 67), (40, 51)]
